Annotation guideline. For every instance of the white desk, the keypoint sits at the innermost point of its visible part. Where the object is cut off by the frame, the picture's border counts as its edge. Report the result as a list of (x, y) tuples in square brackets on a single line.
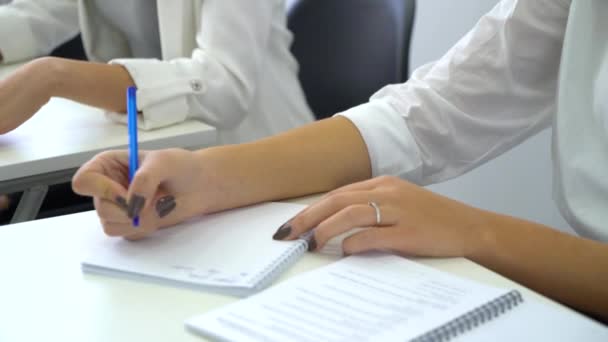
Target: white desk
[(45, 297), (64, 134)]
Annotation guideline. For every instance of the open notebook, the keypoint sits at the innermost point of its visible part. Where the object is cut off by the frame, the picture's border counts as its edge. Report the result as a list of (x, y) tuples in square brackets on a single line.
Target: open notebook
[(230, 252), (373, 297)]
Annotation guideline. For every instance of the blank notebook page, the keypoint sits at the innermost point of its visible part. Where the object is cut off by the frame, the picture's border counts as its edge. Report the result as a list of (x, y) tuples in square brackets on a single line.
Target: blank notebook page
[(229, 249)]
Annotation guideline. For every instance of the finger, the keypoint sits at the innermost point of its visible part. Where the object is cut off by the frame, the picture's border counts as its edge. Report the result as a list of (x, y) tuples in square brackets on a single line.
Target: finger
[(349, 218), (123, 227), (116, 229), (146, 183), (90, 180), (137, 236), (125, 230), (162, 211), (375, 184), (150, 219), (358, 186), (320, 211), (4, 202), (98, 185), (111, 211), (375, 239), (164, 205)]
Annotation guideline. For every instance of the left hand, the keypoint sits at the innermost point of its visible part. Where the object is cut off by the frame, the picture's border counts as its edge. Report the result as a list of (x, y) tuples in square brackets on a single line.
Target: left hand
[(23, 93), (5, 202), (414, 221)]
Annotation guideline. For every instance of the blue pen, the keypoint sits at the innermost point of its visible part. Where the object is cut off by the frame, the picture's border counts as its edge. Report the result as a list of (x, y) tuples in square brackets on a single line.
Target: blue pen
[(133, 149)]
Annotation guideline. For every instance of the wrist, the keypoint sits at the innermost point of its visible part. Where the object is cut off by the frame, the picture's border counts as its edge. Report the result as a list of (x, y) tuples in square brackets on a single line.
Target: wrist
[(482, 235), (234, 182)]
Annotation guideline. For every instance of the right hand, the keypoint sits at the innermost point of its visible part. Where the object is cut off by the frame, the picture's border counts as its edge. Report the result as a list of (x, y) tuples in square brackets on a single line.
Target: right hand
[(169, 187)]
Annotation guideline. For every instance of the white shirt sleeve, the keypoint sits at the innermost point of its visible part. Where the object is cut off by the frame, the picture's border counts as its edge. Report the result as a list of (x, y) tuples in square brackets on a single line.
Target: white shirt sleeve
[(493, 89), (33, 28), (217, 84)]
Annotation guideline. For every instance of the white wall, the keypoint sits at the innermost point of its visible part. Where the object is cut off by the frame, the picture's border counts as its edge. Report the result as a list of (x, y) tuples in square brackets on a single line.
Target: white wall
[(517, 183)]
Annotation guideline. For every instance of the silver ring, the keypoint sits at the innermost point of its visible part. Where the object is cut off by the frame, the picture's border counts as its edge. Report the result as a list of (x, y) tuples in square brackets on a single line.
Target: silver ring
[(377, 209)]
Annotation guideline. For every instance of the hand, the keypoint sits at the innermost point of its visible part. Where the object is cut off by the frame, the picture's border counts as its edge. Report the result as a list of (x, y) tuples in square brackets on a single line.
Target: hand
[(414, 221), (24, 92), (168, 188), (5, 203)]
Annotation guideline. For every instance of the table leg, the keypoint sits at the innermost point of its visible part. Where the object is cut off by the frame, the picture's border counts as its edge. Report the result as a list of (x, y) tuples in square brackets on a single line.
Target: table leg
[(30, 204)]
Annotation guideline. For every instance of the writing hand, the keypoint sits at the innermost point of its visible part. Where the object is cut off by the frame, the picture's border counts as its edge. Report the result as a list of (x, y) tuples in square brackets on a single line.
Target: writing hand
[(165, 190)]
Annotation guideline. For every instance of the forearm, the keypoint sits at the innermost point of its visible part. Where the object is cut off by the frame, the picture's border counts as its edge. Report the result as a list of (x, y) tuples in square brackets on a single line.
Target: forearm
[(569, 269), (95, 84), (314, 158)]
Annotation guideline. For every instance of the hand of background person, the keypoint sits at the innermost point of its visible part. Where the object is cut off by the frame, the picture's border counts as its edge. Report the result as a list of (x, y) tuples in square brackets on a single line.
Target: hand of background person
[(169, 187), (413, 221), (4, 203), (23, 93)]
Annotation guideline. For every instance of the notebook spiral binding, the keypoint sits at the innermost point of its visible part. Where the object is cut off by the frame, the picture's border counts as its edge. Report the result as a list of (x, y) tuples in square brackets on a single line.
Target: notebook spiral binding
[(270, 272), (472, 319)]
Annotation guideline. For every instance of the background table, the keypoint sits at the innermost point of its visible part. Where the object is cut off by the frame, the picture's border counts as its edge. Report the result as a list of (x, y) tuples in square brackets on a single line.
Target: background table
[(49, 147), (45, 297)]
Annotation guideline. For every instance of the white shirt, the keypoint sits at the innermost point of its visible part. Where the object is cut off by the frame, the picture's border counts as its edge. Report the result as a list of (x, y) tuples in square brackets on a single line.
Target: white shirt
[(137, 20), (506, 80), (226, 62)]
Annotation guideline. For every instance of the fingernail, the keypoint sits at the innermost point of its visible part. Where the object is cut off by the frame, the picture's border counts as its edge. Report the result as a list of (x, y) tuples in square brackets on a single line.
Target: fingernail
[(312, 243), (282, 232), (136, 204), (122, 203), (165, 205)]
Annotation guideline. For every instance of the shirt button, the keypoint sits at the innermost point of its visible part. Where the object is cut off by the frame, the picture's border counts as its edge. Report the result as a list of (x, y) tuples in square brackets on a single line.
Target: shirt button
[(196, 85)]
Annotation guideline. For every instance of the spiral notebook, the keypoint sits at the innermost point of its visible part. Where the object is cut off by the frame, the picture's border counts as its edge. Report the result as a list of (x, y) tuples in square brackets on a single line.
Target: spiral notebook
[(373, 297), (230, 252)]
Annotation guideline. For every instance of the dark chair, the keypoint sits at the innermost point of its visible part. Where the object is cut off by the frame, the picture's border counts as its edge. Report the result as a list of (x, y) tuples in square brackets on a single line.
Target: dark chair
[(72, 49), (349, 49)]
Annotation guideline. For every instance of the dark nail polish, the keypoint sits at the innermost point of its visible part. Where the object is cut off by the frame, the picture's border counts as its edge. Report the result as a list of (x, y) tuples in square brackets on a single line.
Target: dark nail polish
[(282, 232), (122, 203), (165, 205), (312, 243), (136, 204)]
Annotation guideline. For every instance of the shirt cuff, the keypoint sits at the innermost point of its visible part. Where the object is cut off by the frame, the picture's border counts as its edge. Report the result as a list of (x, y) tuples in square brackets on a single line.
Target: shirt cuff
[(390, 144), (161, 92), (18, 41)]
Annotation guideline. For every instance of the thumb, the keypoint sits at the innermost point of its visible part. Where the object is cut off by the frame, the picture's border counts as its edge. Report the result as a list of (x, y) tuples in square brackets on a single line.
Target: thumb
[(97, 185)]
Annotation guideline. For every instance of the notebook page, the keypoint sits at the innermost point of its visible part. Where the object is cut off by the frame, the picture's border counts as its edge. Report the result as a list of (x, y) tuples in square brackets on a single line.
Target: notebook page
[(225, 249), (376, 297), (536, 321)]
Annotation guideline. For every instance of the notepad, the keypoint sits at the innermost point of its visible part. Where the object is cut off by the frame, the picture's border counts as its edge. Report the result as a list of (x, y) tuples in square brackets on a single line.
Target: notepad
[(372, 297), (231, 252)]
